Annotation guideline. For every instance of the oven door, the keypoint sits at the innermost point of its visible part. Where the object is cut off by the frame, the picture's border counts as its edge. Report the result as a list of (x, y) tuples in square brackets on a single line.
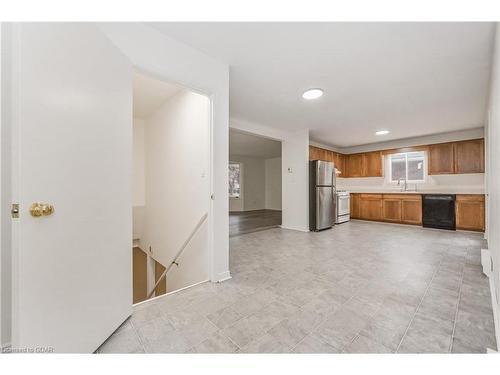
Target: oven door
[(343, 205)]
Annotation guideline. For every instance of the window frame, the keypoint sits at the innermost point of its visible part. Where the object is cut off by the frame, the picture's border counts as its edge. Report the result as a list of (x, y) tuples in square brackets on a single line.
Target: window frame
[(424, 166), (241, 179)]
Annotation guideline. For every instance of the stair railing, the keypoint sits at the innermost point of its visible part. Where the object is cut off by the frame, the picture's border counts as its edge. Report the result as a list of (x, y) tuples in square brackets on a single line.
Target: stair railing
[(179, 253)]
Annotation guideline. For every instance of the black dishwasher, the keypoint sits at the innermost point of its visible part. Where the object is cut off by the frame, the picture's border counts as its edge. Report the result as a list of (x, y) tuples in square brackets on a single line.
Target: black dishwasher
[(438, 211)]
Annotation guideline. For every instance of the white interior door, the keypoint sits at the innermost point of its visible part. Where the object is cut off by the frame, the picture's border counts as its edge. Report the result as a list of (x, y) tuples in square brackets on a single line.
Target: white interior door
[(72, 108)]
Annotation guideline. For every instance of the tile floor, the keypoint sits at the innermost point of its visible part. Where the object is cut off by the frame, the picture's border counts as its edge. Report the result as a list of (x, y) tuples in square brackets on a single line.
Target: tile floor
[(359, 288)]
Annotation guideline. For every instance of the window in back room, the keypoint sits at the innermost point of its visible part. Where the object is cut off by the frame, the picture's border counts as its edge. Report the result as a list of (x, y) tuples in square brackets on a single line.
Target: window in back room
[(408, 166), (234, 180)]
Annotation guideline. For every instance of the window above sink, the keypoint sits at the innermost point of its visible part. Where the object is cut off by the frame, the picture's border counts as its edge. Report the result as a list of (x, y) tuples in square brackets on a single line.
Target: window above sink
[(409, 166)]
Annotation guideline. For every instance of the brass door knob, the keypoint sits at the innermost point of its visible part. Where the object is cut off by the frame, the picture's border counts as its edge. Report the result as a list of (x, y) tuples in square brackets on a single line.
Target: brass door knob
[(41, 209)]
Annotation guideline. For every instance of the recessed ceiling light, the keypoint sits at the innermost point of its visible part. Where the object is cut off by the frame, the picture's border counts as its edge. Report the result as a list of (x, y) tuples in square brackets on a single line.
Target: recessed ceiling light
[(312, 94), (382, 132)]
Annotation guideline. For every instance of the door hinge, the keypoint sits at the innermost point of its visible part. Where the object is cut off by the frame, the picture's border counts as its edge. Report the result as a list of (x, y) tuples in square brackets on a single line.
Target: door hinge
[(14, 211), (212, 197)]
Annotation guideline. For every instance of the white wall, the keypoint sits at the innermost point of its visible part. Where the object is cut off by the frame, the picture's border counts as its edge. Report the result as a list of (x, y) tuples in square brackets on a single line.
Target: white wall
[(493, 175), (295, 171), (138, 157), (168, 59), (273, 183), (138, 180), (5, 200), (177, 186)]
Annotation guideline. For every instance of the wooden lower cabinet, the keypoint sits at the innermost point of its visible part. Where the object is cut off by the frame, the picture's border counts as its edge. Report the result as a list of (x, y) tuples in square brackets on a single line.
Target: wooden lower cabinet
[(469, 212), (370, 206), (411, 209), (407, 209), (393, 208), (354, 203)]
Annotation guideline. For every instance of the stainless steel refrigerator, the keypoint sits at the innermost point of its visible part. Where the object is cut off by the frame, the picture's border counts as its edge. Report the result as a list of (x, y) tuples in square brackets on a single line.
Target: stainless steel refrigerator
[(322, 195)]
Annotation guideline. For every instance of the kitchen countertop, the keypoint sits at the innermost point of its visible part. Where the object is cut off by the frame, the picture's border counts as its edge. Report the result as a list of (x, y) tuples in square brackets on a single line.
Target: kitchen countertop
[(422, 191)]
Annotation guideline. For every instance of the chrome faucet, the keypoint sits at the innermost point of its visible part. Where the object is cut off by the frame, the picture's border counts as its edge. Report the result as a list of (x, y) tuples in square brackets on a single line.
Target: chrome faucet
[(405, 186)]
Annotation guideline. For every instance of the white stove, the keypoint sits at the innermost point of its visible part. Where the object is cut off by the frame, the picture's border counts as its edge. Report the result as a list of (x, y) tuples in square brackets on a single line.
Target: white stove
[(343, 206)]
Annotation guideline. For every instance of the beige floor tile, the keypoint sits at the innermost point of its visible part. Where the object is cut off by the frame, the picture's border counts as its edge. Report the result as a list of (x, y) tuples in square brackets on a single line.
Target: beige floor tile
[(362, 344), (355, 287), (216, 343), (313, 344)]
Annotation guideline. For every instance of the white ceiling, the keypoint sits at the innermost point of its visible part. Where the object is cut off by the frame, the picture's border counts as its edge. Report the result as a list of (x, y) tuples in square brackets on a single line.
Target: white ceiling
[(410, 78), (244, 144), (149, 94)]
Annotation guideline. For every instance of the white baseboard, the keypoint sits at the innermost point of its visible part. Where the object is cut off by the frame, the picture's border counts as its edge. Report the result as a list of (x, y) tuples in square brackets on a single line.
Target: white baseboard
[(494, 304), (487, 264), (223, 276), (292, 228)]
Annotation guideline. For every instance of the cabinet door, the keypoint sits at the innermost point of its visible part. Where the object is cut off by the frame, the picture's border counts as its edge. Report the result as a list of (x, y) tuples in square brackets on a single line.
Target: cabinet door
[(338, 160), (392, 209), (441, 158), (314, 153), (370, 206), (372, 164), (469, 156), (469, 212), (354, 165), (341, 165), (322, 154), (354, 206), (411, 210)]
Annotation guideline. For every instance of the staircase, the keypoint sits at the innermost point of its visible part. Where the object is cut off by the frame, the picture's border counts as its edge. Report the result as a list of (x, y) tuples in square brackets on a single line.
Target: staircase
[(146, 267), (149, 275)]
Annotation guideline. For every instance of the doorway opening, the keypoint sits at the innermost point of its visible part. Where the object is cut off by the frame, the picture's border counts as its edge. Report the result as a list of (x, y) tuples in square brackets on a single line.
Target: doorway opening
[(255, 186), (170, 187)]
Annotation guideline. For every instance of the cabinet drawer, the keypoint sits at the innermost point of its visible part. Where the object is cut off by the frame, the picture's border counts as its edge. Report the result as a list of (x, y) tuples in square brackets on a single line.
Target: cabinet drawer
[(470, 197), (371, 196)]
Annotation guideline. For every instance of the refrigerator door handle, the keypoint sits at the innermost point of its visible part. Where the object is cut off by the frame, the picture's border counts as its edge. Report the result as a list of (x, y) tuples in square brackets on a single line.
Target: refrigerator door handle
[(334, 201)]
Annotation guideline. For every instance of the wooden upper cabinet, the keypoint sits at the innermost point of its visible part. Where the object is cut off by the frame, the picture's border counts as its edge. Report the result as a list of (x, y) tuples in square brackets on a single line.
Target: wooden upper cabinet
[(457, 157), (312, 153), (315, 153), (441, 158), (372, 164), (339, 161), (368, 164), (469, 156), (330, 156), (354, 165)]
